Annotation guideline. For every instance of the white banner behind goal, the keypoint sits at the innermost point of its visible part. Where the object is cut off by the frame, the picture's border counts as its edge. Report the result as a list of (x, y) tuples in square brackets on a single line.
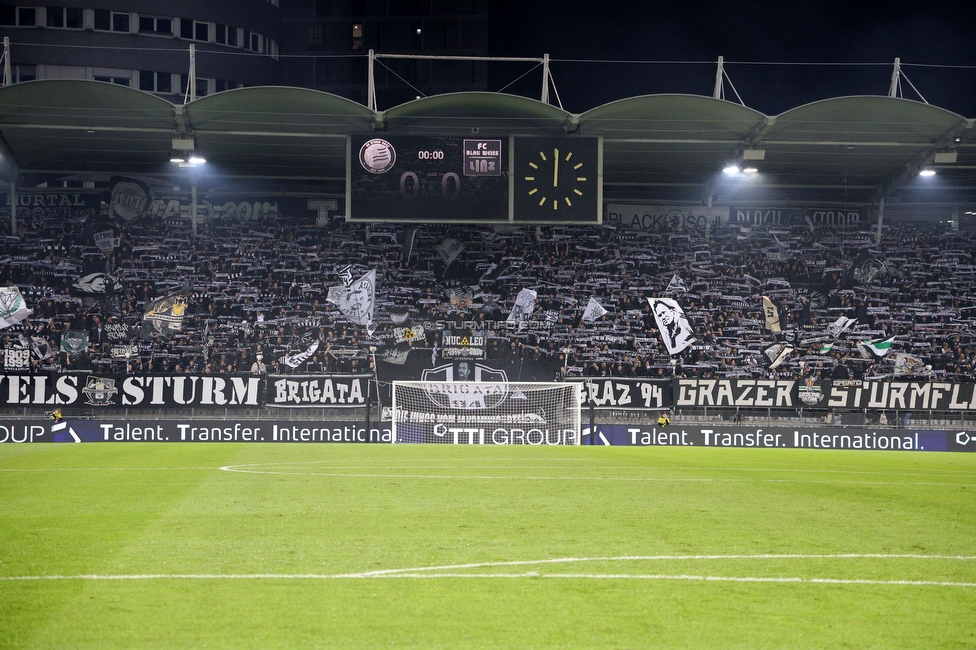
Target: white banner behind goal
[(486, 413)]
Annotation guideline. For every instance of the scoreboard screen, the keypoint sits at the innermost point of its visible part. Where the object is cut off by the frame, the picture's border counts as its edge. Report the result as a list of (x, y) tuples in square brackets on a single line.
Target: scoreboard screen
[(445, 179), (427, 179)]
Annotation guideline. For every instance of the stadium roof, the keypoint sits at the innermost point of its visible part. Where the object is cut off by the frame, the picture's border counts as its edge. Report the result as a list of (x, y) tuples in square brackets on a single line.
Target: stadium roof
[(657, 148)]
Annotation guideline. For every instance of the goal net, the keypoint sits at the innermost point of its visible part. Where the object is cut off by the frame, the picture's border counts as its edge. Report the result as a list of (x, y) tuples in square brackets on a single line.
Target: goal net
[(486, 413)]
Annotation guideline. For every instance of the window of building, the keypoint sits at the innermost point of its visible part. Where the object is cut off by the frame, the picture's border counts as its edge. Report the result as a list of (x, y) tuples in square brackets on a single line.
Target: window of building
[(120, 22), (26, 72), (151, 25), (220, 34), (65, 17), (316, 37), (194, 30), (357, 36), (26, 16), (8, 15), (155, 82), (121, 81), (111, 21), (203, 86)]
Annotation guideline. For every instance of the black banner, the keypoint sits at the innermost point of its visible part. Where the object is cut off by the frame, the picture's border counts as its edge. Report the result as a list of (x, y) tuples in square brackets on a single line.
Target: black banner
[(613, 393), (317, 390), (132, 391)]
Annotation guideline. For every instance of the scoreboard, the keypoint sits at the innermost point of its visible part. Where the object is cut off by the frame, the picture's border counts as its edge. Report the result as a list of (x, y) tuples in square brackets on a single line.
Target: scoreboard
[(446, 179)]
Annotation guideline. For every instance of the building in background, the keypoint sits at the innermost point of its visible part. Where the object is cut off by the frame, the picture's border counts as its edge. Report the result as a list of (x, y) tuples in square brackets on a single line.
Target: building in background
[(145, 44), (320, 44), (324, 45)]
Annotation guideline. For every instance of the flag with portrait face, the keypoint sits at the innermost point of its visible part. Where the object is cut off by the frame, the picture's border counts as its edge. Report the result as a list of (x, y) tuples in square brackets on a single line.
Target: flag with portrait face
[(675, 329)]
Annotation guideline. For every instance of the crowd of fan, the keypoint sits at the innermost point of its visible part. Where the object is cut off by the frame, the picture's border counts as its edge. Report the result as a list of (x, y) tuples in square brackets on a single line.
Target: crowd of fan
[(258, 292)]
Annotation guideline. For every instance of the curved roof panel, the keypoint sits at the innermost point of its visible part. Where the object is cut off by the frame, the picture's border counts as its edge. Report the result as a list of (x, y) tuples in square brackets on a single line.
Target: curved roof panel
[(459, 113), (670, 117), (76, 125)]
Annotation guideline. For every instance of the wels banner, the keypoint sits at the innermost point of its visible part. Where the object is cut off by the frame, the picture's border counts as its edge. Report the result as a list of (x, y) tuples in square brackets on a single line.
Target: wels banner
[(665, 218), (134, 391)]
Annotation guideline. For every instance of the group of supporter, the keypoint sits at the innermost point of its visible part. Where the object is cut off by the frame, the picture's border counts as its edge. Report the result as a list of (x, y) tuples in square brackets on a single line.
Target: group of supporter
[(257, 294)]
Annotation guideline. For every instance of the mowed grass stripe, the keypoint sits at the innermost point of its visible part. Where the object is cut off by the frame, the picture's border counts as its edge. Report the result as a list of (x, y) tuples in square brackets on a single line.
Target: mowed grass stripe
[(189, 522)]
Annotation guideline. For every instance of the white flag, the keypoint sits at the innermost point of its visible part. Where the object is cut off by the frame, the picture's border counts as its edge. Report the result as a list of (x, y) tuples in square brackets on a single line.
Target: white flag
[(840, 326), (771, 312), (295, 360), (676, 284), (523, 307), (777, 354), (906, 364), (449, 249), (593, 311), (356, 302), (13, 308), (673, 324)]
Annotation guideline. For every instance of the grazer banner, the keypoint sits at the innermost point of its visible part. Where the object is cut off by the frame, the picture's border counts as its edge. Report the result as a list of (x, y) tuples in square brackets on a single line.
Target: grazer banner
[(779, 437), (130, 391), (751, 393), (332, 391), (190, 430), (613, 393)]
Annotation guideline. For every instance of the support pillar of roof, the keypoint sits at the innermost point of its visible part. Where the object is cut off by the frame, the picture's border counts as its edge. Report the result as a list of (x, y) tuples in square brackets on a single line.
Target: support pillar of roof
[(877, 237), (13, 201)]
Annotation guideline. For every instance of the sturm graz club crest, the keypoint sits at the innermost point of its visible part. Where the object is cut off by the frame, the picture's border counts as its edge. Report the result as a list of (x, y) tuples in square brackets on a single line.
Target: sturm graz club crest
[(100, 391), (472, 386)]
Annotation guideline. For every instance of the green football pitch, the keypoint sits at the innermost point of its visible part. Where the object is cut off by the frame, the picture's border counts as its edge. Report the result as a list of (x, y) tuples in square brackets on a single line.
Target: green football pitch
[(298, 546)]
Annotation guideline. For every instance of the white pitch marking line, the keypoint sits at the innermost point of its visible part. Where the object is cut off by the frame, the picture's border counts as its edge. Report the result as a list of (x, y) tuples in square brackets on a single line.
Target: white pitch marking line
[(443, 571), (238, 469)]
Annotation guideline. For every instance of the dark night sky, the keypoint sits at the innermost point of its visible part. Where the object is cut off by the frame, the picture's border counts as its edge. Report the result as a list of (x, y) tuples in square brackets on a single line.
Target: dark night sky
[(924, 32)]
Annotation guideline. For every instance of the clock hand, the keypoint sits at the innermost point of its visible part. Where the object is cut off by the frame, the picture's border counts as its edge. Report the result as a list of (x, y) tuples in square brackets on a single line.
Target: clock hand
[(555, 167)]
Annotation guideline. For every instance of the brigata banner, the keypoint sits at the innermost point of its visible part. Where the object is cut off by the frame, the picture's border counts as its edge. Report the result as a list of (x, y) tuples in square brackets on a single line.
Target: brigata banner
[(858, 438), (191, 430), (614, 393), (332, 391)]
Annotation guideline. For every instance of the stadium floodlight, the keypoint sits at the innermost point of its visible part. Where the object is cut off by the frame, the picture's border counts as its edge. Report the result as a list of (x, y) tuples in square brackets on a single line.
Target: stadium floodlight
[(750, 169), (731, 169), (197, 159), (927, 172), (486, 413)]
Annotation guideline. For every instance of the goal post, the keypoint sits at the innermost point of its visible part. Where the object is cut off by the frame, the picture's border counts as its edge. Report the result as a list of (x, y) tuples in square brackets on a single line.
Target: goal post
[(486, 413)]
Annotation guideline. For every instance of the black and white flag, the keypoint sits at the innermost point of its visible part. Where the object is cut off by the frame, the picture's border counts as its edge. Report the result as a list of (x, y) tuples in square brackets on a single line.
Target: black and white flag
[(449, 249), (357, 301), (771, 312), (297, 359), (676, 284), (523, 307), (13, 308), (675, 329), (593, 311), (405, 239), (777, 354), (164, 316)]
